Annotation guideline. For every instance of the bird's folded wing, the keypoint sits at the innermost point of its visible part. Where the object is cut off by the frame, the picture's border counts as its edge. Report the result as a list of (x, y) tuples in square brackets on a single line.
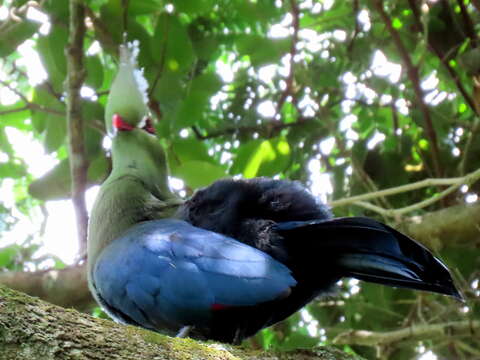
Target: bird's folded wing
[(167, 271)]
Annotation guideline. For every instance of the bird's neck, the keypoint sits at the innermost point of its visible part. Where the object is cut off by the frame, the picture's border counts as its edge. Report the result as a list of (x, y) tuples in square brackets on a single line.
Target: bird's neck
[(141, 156)]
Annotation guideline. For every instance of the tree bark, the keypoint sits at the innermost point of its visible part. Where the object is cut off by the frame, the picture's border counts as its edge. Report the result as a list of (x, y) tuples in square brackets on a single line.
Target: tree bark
[(453, 226), (33, 329), (66, 287)]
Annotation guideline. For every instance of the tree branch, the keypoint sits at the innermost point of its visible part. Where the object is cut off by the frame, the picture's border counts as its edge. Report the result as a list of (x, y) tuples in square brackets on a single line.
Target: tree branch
[(415, 332), (295, 12), (66, 287), (32, 329), (412, 72), (396, 190), (453, 226), (454, 183), (78, 158)]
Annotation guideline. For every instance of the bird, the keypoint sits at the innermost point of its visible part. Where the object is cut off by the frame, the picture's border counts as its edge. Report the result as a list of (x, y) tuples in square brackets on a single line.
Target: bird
[(238, 256)]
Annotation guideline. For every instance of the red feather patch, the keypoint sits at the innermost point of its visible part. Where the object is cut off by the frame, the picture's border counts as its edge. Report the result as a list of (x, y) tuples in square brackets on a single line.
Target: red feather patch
[(216, 307), (121, 125)]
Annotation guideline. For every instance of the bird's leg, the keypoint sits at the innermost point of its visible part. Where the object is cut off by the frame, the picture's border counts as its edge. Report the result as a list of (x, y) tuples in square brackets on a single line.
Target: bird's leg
[(237, 340), (184, 331)]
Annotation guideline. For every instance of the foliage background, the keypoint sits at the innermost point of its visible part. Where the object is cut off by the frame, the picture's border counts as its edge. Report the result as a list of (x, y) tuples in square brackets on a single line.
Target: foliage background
[(374, 94)]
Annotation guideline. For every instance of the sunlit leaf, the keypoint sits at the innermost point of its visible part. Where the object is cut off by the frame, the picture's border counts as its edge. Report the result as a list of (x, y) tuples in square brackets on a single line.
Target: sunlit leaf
[(197, 174)]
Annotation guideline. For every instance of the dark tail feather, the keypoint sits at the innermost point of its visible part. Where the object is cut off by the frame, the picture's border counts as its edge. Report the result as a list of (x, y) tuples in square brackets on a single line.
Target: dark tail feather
[(369, 250)]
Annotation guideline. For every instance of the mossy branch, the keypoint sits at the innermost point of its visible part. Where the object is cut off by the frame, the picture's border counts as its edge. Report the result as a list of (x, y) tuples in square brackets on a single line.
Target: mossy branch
[(33, 329)]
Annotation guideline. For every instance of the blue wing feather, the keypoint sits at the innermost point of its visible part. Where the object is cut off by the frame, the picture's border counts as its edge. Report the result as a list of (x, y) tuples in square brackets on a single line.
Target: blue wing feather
[(175, 273)]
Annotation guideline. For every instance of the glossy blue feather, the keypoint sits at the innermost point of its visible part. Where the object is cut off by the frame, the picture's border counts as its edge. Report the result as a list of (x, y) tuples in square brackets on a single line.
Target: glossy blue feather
[(170, 273)]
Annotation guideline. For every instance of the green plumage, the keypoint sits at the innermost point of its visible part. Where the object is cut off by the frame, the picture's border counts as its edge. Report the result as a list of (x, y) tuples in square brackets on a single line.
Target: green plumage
[(137, 188)]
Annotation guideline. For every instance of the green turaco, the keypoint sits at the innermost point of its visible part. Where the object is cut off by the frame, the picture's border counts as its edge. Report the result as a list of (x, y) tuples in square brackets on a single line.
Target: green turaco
[(240, 255)]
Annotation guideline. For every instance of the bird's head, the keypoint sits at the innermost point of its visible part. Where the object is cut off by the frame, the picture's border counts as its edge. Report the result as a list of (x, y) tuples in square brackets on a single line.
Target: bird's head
[(137, 152), (127, 100)]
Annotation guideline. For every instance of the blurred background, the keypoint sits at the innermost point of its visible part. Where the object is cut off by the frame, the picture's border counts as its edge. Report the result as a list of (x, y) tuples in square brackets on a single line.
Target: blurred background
[(374, 105)]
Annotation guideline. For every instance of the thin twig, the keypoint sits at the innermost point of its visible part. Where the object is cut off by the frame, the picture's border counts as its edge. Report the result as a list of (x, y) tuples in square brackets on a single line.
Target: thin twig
[(14, 90), (356, 31), (29, 105), (469, 145), (397, 190), (451, 71), (455, 183), (367, 181), (270, 128), (468, 23), (78, 158), (11, 111), (467, 348), (413, 75)]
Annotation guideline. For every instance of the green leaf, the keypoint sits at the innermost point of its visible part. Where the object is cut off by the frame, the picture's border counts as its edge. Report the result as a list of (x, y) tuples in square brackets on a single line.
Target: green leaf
[(111, 16), (54, 185), (12, 170), (5, 145), (137, 32), (169, 90), (289, 112), (262, 50), (44, 99), (53, 125), (8, 254), (55, 133), (98, 169), (198, 100), (197, 174), (262, 158), (205, 46), (14, 33), (94, 71), (171, 44), (59, 9), (58, 41), (51, 49), (144, 7), (15, 119), (397, 23), (183, 150), (196, 7), (190, 111)]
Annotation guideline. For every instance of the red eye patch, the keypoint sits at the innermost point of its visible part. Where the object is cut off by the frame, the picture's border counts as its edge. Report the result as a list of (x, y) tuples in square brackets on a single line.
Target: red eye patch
[(121, 125)]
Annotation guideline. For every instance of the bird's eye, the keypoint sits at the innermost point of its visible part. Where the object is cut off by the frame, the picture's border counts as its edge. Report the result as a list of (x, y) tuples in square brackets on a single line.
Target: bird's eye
[(148, 127)]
